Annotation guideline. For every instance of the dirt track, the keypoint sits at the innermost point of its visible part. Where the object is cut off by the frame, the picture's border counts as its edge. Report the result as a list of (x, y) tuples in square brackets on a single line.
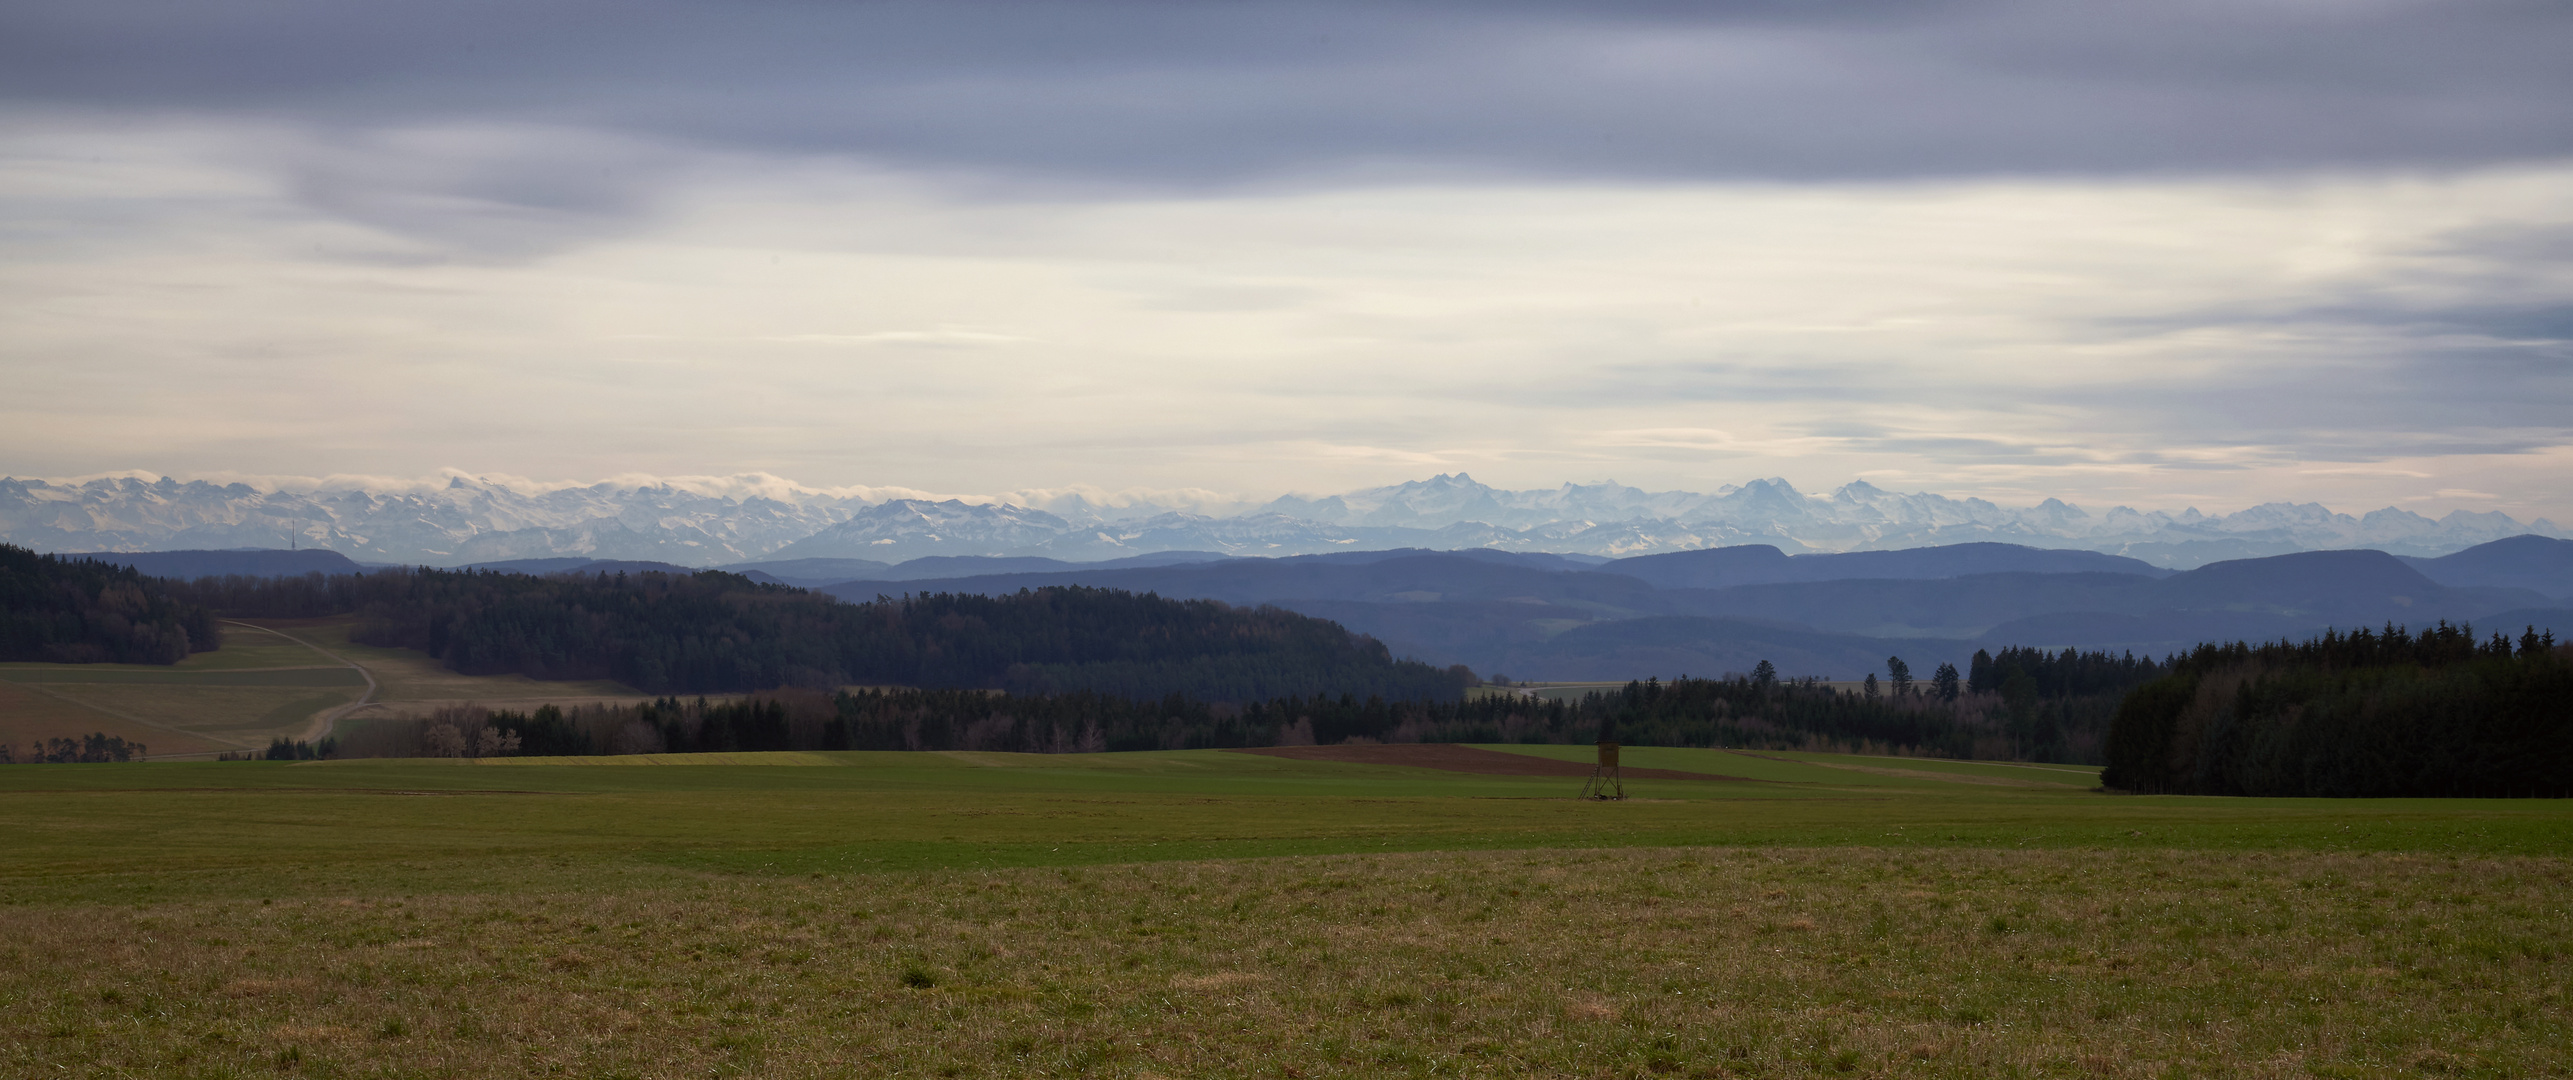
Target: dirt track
[(1466, 759)]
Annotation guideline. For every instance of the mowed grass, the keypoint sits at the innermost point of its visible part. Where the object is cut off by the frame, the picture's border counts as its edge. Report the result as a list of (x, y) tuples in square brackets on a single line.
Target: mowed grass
[(1205, 913)]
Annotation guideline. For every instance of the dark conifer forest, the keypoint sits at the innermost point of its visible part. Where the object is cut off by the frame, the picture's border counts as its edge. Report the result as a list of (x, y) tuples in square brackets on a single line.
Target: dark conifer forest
[(2377, 713), (712, 633), (1742, 713), (82, 611)]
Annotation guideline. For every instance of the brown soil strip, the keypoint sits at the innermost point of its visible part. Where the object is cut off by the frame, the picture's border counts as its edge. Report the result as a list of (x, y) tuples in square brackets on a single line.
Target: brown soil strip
[(1450, 757)]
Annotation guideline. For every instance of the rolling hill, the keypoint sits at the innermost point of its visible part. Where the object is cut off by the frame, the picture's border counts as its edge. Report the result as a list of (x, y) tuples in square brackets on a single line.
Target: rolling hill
[(1547, 616), (1535, 620), (1761, 564), (2541, 563)]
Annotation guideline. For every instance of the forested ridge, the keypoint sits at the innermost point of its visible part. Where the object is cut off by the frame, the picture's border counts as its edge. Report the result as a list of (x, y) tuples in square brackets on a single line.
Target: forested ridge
[(1753, 712), (82, 611), (2370, 713), (712, 632)]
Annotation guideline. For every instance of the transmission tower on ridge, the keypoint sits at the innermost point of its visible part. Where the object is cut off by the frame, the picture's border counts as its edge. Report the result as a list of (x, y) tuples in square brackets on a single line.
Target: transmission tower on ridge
[(1604, 783)]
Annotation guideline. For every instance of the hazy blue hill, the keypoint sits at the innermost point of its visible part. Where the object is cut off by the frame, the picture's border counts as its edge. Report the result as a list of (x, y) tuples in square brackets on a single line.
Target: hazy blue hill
[(1960, 560), (2513, 622), (2293, 594), (248, 563), (1711, 568), (1959, 607), (818, 572), (1420, 578), (1761, 564), (2157, 634), (1535, 560), (2283, 596), (1169, 558), (1688, 645), (934, 567), (810, 572), (2344, 587), (1535, 619), (931, 567), (2541, 563), (1481, 634), (1485, 611)]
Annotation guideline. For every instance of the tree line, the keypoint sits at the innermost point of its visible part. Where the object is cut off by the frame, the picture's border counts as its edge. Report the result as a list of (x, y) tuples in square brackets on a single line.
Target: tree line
[(2369, 713), (2053, 705), (94, 748), (84, 611), (1750, 712)]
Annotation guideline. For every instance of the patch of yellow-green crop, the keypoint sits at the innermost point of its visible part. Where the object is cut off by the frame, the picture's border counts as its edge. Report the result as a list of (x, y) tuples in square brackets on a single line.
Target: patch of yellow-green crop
[(1699, 962)]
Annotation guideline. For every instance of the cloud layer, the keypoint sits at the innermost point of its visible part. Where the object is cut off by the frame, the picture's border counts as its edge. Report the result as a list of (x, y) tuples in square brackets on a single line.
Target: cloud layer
[(2159, 254), (1160, 93)]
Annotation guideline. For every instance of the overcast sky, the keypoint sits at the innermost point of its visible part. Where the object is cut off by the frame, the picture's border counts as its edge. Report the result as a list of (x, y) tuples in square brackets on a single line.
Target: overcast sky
[(2161, 254)]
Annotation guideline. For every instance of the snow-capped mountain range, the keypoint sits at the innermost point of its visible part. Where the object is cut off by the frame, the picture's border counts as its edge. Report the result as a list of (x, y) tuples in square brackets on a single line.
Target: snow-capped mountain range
[(472, 520)]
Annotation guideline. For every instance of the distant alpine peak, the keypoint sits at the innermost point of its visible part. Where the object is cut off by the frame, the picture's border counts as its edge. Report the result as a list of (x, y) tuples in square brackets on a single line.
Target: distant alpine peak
[(456, 517)]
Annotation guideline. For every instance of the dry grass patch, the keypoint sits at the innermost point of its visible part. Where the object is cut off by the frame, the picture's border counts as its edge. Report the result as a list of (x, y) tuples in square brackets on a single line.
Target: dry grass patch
[(1687, 962)]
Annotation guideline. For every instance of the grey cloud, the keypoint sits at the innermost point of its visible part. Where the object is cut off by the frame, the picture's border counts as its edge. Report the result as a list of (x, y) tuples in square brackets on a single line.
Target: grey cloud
[(2519, 245), (1171, 94), (2346, 381), (482, 192), (2390, 367), (2425, 404), (2547, 327), (1961, 448)]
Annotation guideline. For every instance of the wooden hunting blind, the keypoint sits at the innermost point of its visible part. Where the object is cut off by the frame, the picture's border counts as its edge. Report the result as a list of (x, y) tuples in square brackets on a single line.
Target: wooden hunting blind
[(1604, 783)]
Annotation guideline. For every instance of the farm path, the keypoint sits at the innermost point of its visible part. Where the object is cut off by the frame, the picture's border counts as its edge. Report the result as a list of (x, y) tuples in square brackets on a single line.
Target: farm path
[(322, 723)]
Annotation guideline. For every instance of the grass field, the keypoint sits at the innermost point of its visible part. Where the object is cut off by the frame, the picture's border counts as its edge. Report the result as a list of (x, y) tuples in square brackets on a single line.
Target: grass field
[(294, 679), (1208, 913)]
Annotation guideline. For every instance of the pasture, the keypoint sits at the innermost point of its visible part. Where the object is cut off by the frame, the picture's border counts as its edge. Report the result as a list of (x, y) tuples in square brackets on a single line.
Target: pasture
[(272, 679), (259, 686), (1215, 913)]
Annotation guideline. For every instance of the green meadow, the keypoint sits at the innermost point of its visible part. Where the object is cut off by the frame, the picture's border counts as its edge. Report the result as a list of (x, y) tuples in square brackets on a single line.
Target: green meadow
[(1212, 913)]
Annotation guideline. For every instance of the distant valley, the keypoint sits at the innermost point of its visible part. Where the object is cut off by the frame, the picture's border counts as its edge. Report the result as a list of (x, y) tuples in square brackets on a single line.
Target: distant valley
[(1708, 612)]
